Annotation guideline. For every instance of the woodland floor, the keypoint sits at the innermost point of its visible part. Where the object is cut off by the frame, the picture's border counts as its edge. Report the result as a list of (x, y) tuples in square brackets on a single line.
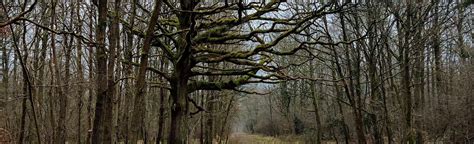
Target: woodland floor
[(243, 138)]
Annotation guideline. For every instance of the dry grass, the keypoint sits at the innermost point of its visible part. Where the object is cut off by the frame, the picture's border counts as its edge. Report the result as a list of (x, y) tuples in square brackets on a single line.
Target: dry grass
[(242, 138)]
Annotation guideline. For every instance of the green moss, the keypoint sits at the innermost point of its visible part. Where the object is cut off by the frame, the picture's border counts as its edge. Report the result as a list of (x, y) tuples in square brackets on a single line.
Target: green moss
[(238, 54), (209, 34), (227, 20), (240, 81), (171, 21), (262, 46), (220, 22)]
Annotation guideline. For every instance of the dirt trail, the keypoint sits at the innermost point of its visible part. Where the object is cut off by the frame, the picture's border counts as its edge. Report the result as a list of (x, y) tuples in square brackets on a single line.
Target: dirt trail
[(244, 138)]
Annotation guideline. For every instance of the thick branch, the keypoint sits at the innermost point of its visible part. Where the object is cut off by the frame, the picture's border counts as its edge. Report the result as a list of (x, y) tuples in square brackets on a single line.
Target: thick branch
[(229, 85)]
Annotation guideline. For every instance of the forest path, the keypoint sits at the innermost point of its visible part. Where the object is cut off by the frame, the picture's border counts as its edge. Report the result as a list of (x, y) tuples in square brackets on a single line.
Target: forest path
[(244, 138)]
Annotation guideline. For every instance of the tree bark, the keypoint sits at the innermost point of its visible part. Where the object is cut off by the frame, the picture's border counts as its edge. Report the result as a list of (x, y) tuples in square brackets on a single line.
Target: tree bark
[(114, 44), (351, 89), (180, 77), (101, 131), (90, 79), (80, 75), (129, 98), (27, 87), (314, 98), (138, 126), (163, 95), (405, 76)]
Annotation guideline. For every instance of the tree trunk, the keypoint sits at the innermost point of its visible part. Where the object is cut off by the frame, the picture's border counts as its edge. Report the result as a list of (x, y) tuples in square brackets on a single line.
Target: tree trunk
[(138, 123), (101, 132), (161, 115), (114, 44), (179, 113), (210, 117), (23, 118), (334, 73), (27, 86), (180, 77), (63, 101), (314, 98), (129, 98), (406, 73), (57, 134), (80, 76), (210, 122), (351, 90), (80, 91)]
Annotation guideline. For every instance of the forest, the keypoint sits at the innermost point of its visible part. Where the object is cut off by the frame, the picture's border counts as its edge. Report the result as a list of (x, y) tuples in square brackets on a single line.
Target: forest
[(236, 71)]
